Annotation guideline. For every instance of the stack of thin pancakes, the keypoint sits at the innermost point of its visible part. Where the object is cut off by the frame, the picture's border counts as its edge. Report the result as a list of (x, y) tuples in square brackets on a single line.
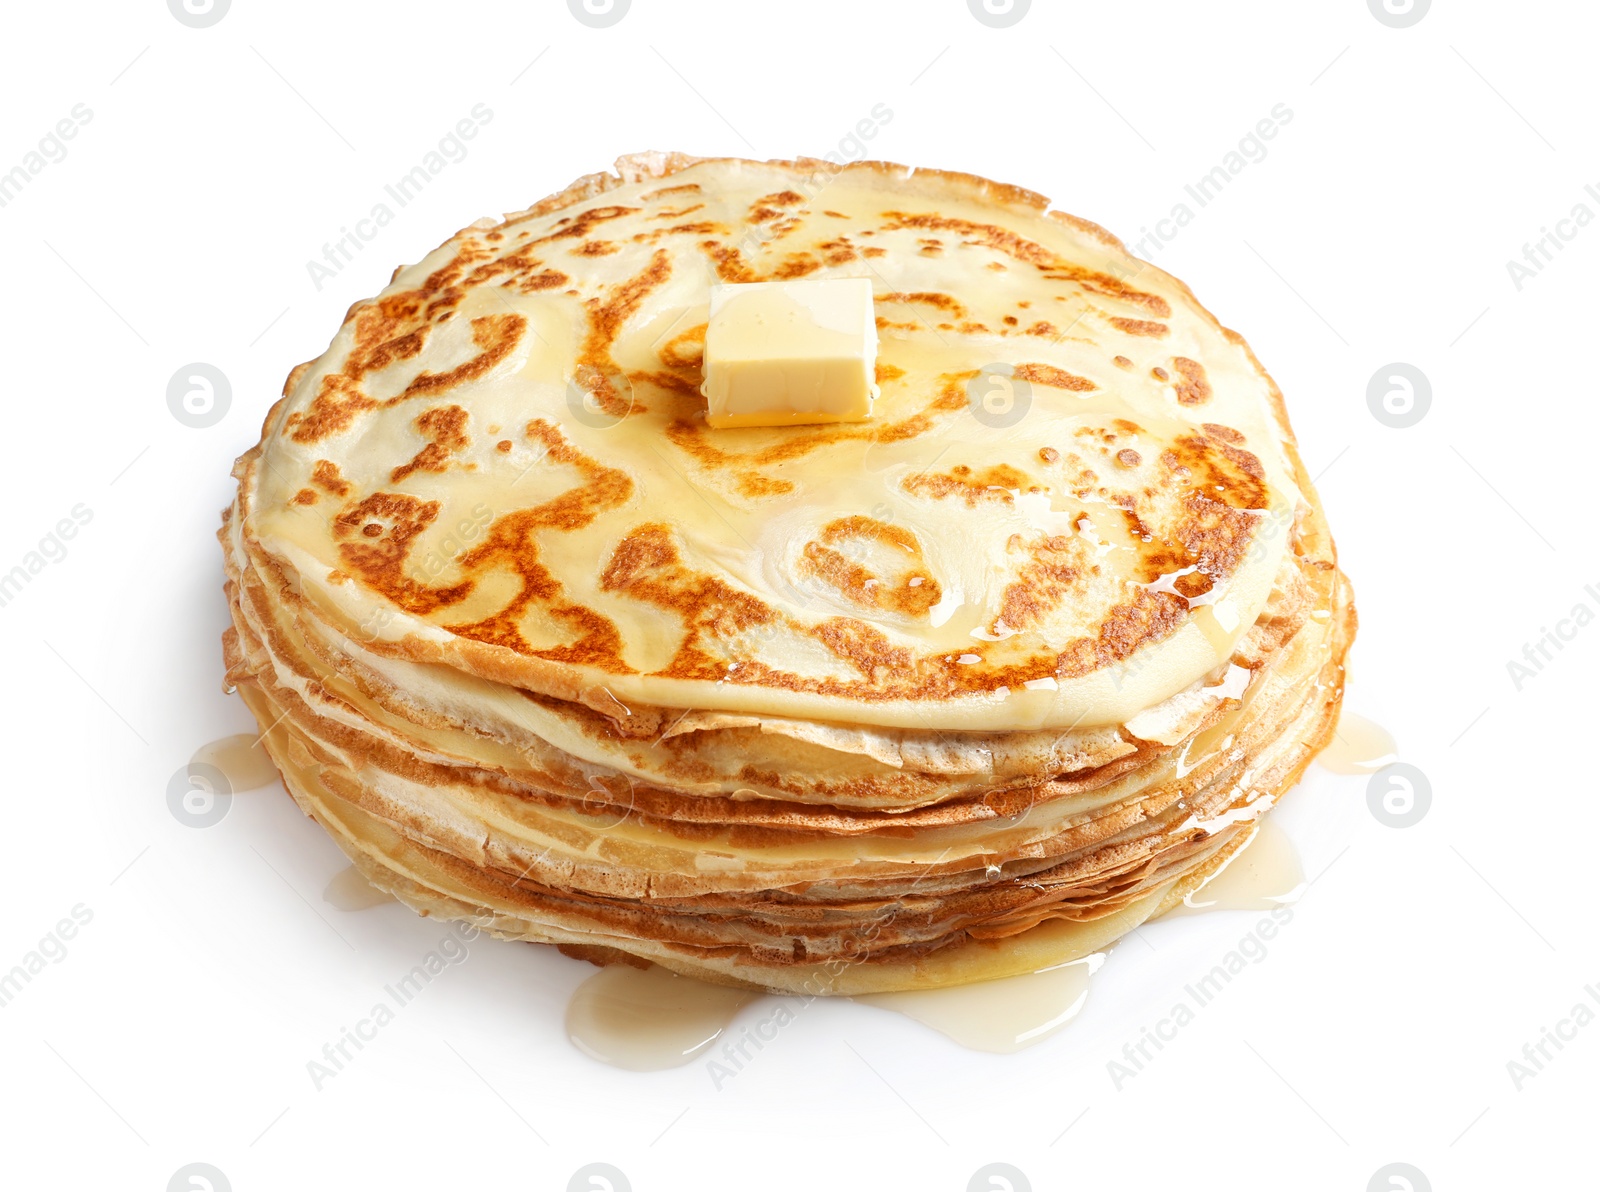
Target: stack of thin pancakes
[(963, 691)]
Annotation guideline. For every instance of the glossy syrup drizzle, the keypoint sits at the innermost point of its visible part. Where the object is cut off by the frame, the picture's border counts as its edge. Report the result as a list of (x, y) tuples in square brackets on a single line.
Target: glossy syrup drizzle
[(1358, 747), (648, 1019), (999, 1016), (1263, 874), (241, 759), (349, 890)]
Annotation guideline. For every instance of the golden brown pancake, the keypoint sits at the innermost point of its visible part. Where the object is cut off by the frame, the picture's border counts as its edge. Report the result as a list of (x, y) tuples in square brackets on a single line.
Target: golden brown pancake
[(974, 686)]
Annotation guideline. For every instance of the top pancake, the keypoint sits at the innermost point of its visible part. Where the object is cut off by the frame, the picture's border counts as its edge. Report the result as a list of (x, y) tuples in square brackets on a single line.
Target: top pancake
[(502, 463)]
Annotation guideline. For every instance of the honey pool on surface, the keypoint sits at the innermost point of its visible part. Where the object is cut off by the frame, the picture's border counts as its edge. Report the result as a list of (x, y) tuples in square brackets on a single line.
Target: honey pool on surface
[(1359, 746), (999, 1016), (1263, 874), (349, 890), (649, 1019), (241, 760)]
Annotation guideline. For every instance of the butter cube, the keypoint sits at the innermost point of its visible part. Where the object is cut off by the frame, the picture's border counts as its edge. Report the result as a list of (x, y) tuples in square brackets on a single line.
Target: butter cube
[(787, 353)]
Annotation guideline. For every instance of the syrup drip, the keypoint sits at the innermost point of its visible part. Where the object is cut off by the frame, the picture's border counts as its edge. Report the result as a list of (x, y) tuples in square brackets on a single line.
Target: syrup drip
[(348, 890), (1263, 874), (1358, 747), (242, 760), (648, 1019), (999, 1016)]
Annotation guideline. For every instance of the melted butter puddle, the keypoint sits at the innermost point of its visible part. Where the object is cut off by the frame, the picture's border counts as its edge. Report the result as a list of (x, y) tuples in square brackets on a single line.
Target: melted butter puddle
[(1265, 873), (999, 1016), (241, 760), (349, 890), (648, 1019), (1358, 747), (1220, 624)]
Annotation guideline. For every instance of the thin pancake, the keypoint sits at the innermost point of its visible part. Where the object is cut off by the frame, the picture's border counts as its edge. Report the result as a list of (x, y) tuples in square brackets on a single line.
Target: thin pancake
[(502, 465)]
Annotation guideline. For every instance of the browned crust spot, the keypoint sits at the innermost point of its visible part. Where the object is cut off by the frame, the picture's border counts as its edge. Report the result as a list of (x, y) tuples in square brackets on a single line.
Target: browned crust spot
[(688, 188), (1194, 388), (944, 302), (389, 523), (496, 335), (1143, 327), (1040, 586), (647, 566), (512, 543), (997, 483), (1029, 252), (445, 429), (838, 251), (911, 592), (1056, 378), (1225, 491), (325, 475), (394, 329), (595, 366)]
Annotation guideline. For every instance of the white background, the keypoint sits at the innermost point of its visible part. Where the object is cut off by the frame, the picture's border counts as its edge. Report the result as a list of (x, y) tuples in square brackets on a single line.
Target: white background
[(1377, 229)]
